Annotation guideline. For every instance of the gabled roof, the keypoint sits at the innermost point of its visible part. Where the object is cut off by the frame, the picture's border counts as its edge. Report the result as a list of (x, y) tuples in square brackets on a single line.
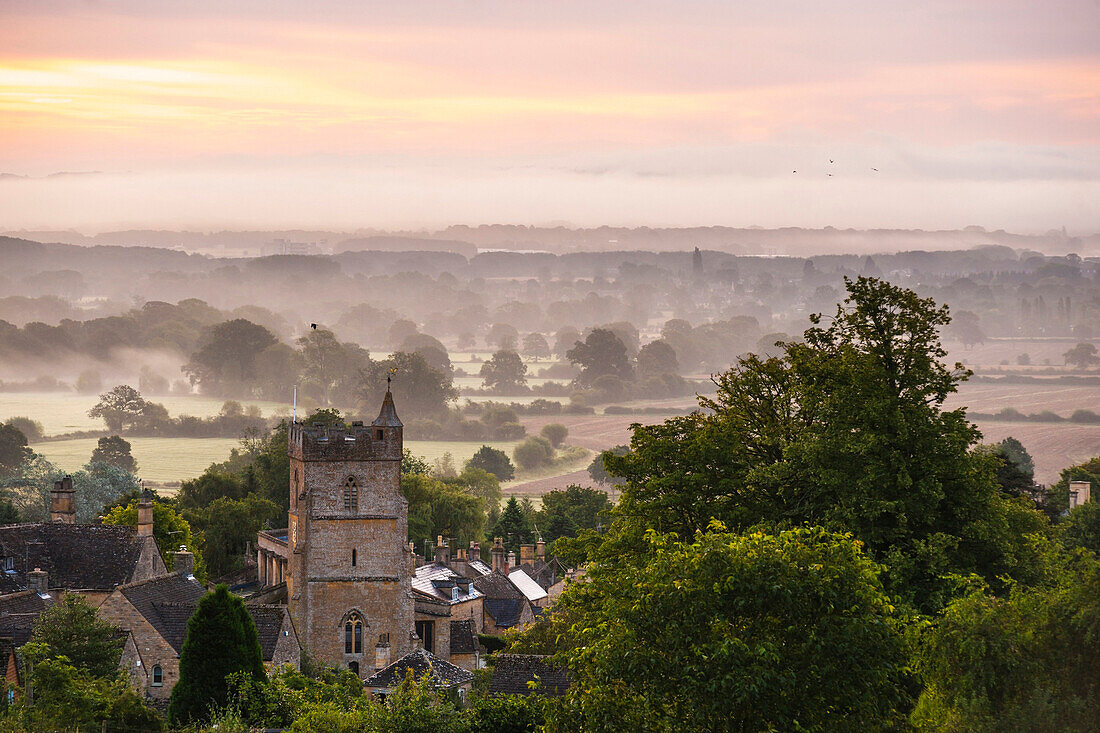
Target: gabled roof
[(420, 662), (497, 585), (166, 603), (75, 556), (532, 590), (543, 572), (479, 567), (269, 622), (437, 581), (512, 672), (18, 613), (463, 637)]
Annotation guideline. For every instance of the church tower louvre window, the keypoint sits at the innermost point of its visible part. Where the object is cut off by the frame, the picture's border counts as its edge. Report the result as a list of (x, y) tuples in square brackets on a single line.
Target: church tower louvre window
[(351, 494)]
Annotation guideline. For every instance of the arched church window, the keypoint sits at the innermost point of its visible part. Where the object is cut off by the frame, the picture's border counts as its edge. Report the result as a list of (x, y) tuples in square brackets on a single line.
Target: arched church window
[(353, 634), (351, 494)]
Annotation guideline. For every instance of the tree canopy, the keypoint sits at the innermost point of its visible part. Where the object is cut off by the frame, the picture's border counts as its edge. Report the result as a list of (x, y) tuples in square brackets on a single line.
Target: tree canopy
[(115, 451), (845, 430), (504, 371), (787, 631), (71, 628)]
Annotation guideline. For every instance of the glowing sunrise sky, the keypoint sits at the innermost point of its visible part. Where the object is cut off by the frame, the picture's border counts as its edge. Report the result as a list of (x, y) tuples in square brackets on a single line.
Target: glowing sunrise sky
[(422, 114)]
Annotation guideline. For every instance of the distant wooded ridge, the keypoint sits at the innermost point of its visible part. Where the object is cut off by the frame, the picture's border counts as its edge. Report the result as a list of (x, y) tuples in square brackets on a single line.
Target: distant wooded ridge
[(468, 240)]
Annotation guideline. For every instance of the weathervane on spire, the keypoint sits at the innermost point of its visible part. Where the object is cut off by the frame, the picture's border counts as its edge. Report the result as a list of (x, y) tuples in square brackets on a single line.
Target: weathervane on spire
[(389, 377)]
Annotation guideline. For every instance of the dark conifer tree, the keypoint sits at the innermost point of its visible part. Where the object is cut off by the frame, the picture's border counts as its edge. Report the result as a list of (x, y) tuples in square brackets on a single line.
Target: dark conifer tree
[(221, 640)]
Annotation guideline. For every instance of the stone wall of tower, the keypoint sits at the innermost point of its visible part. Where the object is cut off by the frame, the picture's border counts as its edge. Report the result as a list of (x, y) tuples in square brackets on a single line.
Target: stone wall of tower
[(349, 559)]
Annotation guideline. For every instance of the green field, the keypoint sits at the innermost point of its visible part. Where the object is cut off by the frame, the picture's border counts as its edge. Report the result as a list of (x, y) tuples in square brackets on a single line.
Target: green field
[(168, 460), (66, 412)]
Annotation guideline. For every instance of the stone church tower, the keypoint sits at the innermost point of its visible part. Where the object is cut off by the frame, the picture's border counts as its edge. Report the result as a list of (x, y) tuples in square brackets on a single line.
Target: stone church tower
[(348, 578)]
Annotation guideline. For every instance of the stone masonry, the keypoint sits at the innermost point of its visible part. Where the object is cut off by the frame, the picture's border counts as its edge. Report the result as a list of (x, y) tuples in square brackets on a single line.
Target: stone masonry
[(349, 572)]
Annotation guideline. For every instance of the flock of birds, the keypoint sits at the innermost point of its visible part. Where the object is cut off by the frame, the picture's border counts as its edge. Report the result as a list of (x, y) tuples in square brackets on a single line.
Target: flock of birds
[(830, 175)]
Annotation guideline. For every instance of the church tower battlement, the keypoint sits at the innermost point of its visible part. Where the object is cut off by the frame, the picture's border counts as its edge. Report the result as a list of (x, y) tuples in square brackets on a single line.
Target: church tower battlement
[(349, 581)]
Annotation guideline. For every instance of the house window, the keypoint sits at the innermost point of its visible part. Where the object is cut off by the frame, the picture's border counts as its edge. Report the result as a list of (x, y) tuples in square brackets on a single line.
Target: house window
[(9, 563), (353, 557), (378, 434), (158, 676), (351, 494), (354, 667), (353, 635)]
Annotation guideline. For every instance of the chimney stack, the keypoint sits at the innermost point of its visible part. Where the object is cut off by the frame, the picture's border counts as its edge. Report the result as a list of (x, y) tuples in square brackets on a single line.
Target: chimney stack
[(475, 551), (38, 581), (498, 554), (145, 514), (382, 652), (1080, 492), (63, 502), (511, 563), (442, 552), (183, 561), (540, 550), (526, 554)]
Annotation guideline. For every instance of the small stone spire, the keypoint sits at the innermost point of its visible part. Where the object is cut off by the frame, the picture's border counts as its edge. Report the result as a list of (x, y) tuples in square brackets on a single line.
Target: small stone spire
[(387, 416)]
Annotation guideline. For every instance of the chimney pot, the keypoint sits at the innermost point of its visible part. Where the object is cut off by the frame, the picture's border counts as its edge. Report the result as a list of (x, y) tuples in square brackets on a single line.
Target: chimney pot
[(540, 550)]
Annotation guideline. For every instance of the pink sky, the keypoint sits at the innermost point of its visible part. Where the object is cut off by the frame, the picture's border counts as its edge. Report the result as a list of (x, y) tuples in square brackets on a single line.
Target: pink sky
[(349, 114)]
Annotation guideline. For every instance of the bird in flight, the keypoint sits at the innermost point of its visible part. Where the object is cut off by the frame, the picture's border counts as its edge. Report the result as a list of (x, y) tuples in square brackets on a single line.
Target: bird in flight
[(830, 175), (875, 170), (830, 160), (313, 326)]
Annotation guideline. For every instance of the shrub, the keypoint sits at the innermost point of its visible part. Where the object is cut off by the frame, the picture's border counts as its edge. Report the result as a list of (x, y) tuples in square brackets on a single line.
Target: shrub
[(555, 432), (533, 452)]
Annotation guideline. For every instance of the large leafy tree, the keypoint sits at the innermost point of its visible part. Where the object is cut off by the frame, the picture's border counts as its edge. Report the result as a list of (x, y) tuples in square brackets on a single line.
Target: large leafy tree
[(846, 430), (1027, 661), (71, 628), (226, 360), (13, 448), (418, 390), (115, 450), (565, 511), (791, 631), (221, 640), (493, 460), (121, 407), (602, 353), (504, 371), (170, 530), (441, 508)]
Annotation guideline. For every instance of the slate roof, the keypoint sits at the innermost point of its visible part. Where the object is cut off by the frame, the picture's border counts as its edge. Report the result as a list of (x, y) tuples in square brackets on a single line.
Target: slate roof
[(530, 589), (463, 637), (444, 674), (166, 603), (269, 626), (437, 581), (497, 586), (480, 567), (512, 672), (76, 556), (506, 612), (18, 612)]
